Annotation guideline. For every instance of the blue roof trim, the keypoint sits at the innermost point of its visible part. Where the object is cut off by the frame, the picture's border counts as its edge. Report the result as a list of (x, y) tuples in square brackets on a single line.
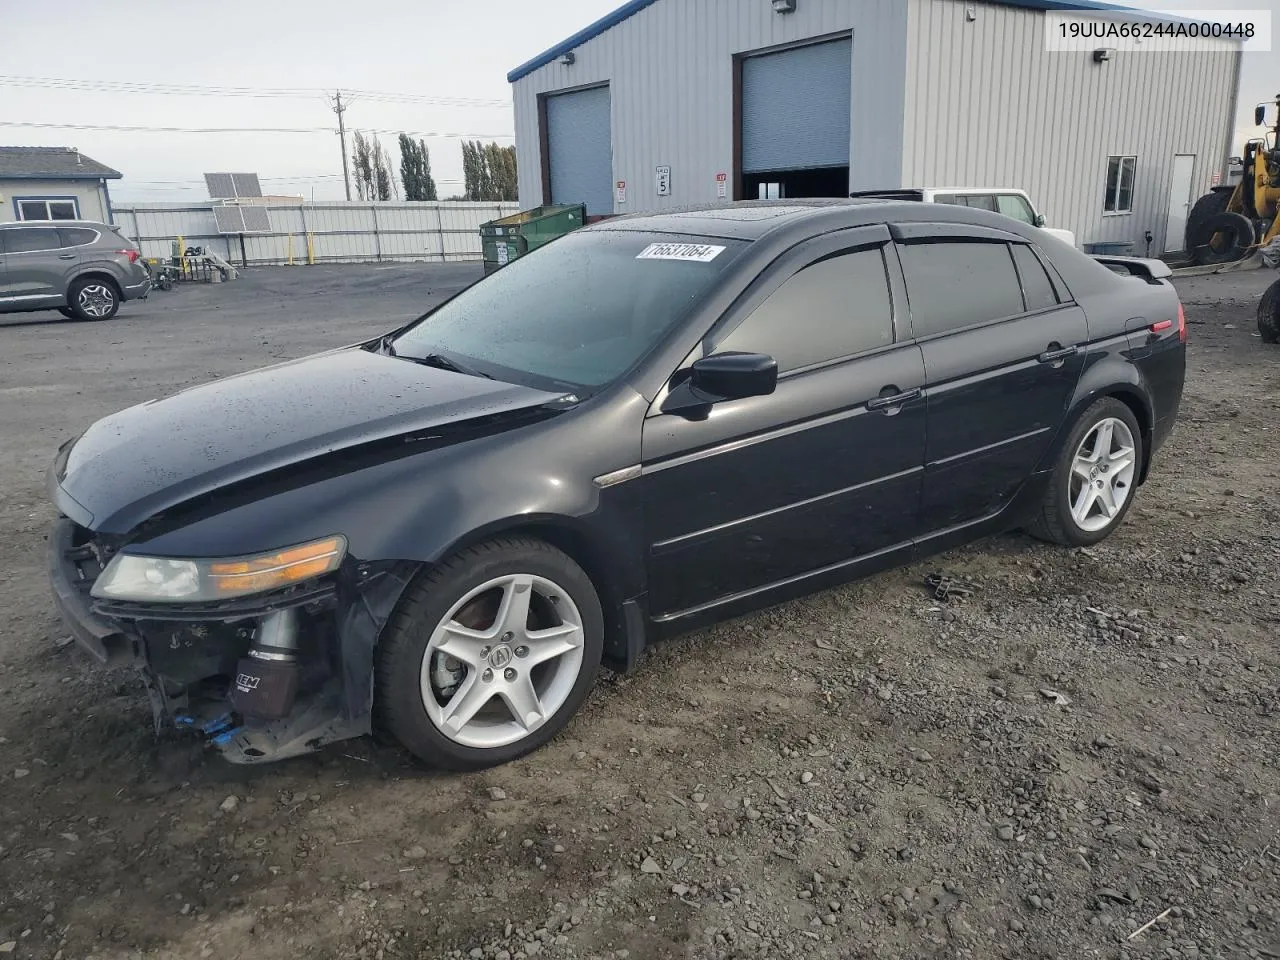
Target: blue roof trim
[(635, 6), (579, 38)]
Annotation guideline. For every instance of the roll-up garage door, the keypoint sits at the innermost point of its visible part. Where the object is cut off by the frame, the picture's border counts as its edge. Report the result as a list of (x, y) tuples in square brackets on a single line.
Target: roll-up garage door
[(581, 150), (795, 107)]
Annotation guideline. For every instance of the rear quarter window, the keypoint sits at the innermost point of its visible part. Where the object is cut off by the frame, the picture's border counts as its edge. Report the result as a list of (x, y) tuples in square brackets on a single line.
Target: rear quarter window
[(76, 236)]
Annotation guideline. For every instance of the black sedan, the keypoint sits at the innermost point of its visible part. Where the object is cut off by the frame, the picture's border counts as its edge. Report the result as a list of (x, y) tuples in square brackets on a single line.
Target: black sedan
[(647, 426)]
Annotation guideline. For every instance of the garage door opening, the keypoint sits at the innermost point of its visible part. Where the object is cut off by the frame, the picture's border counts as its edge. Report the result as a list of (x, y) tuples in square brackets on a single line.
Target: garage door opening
[(796, 184), (793, 108)]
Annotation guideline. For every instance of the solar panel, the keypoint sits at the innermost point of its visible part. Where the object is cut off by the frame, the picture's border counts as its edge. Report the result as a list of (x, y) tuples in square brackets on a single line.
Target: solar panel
[(232, 218), (246, 184), (256, 219), (231, 186), (220, 185), (229, 219)]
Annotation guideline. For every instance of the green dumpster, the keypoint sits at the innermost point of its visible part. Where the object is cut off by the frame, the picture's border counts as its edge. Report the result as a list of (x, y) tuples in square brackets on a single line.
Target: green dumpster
[(507, 238)]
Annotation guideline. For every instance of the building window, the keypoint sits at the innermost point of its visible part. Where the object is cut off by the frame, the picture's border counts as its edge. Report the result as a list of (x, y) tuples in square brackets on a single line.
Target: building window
[(1119, 195), (47, 208)]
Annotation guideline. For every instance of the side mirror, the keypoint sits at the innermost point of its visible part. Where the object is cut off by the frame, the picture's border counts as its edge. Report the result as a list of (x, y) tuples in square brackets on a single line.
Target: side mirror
[(1040, 220), (731, 376), (1259, 114)]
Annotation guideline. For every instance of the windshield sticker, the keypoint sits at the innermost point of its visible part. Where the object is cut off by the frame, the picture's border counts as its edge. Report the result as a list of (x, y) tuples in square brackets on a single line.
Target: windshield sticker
[(697, 252)]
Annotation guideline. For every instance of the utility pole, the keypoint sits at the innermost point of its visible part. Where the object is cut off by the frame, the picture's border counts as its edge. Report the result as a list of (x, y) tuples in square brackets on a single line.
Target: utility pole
[(337, 106)]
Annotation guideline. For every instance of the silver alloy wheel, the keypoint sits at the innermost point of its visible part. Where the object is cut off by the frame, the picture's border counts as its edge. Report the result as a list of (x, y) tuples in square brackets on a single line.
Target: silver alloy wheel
[(96, 300), (1102, 473), (511, 677)]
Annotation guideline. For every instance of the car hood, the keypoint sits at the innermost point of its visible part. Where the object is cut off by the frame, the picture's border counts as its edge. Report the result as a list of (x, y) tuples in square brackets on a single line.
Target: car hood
[(133, 464)]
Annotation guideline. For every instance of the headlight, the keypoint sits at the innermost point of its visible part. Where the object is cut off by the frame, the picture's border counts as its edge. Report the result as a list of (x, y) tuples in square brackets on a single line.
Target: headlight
[(130, 577)]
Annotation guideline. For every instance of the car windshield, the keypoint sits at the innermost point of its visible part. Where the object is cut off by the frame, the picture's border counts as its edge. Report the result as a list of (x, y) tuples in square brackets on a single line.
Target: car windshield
[(579, 312)]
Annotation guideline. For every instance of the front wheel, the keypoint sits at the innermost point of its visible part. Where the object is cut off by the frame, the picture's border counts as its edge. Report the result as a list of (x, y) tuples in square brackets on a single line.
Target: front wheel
[(93, 299), (489, 654), (1092, 484)]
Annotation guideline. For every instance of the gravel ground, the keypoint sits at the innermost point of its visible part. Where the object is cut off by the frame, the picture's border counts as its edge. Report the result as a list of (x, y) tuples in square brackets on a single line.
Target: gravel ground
[(1087, 744)]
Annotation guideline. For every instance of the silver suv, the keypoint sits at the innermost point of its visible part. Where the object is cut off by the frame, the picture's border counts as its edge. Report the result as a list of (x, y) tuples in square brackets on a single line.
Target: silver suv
[(85, 270)]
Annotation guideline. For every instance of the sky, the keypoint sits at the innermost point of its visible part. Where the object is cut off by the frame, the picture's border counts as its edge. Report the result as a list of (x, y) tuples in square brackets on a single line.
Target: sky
[(430, 66)]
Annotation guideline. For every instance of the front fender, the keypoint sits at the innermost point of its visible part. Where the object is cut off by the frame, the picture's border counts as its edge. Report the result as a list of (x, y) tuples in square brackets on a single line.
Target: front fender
[(406, 506)]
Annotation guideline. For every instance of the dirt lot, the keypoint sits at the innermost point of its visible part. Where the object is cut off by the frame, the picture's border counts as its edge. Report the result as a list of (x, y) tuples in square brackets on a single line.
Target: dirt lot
[(1090, 742)]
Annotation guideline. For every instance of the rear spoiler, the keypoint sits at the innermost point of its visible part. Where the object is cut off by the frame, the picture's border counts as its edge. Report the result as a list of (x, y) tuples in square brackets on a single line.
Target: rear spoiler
[(1152, 271)]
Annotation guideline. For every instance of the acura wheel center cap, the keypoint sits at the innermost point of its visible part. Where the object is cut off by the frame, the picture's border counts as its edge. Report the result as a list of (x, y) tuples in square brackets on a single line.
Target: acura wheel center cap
[(500, 656)]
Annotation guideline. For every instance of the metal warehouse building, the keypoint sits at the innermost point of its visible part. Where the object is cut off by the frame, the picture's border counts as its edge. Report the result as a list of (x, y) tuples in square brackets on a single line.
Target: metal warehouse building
[(670, 102)]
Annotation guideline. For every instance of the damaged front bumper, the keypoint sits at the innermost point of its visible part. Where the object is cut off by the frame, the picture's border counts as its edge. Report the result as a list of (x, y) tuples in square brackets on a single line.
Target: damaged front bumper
[(262, 678)]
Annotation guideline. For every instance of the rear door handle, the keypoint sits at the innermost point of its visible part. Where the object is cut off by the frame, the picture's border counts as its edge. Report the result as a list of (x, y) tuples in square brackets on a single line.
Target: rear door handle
[(891, 398), (66, 256), (1056, 354)]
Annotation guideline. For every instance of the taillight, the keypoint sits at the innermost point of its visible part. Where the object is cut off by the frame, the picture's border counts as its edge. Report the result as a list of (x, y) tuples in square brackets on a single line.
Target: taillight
[(1164, 325), (131, 254)]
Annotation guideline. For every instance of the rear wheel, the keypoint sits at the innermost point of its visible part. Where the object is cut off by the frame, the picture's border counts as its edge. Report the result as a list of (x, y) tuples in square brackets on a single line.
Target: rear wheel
[(1228, 237), (1269, 314), (92, 299), (1093, 482), (489, 654)]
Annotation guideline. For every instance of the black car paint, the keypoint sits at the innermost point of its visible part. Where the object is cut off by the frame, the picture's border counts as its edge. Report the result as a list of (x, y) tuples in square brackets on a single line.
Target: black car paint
[(682, 510)]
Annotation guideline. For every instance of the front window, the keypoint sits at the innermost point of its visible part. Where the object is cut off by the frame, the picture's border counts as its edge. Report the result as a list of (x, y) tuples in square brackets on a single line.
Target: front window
[(577, 313), (1119, 194), (1012, 205), (41, 208)]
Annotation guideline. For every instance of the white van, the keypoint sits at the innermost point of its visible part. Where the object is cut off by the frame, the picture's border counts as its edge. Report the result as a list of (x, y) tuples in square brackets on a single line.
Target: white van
[(1011, 203)]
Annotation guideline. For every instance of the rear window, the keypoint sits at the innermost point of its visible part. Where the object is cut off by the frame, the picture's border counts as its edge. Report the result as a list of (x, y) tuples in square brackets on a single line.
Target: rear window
[(957, 283)]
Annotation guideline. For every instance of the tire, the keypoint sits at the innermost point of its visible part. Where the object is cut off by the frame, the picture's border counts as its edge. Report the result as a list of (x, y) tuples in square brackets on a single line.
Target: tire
[(421, 691), (1056, 521), (1269, 314), (67, 312), (1235, 233), (92, 299), (1210, 205)]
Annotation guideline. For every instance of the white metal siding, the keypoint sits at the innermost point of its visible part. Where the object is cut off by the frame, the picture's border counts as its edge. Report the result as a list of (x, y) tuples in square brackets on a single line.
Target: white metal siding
[(580, 145), (795, 108), (670, 70), (92, 203), (988, 105), (339, 231)]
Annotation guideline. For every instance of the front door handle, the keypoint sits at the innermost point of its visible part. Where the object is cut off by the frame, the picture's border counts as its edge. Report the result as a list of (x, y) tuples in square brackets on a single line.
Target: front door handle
[(66, 256), (891, 398), (1056, 354)]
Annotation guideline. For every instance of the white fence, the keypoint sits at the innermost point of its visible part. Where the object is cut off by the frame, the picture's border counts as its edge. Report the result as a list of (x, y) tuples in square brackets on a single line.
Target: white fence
[(305, 232)]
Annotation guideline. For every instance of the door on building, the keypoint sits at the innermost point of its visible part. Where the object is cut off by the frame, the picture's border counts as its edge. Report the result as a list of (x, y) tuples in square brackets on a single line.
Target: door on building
[(579, 161), (1175, 233), (795, 106)]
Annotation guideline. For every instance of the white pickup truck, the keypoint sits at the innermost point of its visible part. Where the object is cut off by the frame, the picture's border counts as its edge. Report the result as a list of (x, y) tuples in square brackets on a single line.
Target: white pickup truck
[(1011, 203)]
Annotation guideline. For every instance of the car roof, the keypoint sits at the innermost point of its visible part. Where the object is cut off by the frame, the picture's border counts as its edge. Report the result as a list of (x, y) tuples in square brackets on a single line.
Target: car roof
[(795, 220)]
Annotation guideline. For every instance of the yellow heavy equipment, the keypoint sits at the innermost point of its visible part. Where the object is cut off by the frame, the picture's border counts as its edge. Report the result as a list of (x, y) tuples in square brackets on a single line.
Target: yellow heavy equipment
[(1230, 222)]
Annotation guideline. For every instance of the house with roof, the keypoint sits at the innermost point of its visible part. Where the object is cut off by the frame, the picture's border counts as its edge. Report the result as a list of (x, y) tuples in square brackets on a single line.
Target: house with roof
[(53, 183), (664, 103)]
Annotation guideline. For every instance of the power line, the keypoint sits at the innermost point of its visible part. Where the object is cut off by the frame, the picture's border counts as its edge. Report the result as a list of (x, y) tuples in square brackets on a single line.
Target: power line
[(132, 129), (196, 90)]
